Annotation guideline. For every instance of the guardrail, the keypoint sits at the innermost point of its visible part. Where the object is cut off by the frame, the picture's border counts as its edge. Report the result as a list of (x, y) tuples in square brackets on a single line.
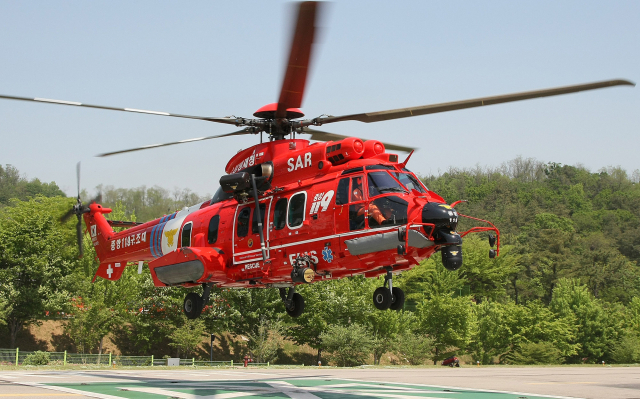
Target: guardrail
[(17, 357)]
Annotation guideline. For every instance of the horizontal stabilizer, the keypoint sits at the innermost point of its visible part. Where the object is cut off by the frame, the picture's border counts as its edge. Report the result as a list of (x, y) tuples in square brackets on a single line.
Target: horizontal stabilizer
[(110, 271)]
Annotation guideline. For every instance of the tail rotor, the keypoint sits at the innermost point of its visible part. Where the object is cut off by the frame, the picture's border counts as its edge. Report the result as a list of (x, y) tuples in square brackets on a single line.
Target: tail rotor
[(78, 209)]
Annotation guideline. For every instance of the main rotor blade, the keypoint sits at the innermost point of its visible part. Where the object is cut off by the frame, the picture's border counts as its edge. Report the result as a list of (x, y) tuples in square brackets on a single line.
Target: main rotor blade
[(248, 130), (295, 76), (231, 121), (476, 102), (318, 135)]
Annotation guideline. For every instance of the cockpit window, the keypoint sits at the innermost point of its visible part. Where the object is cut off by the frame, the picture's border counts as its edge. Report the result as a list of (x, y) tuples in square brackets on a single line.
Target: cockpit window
[(220, 196), (382, 182), (409, 182), (379, 167), (388, 211)]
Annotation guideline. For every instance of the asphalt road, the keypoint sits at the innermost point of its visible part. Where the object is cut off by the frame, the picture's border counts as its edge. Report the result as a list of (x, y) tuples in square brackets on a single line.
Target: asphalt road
[(327, 383)]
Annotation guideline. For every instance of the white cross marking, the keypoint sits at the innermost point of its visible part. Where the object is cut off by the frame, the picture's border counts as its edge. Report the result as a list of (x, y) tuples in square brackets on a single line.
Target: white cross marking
[(109, 270)]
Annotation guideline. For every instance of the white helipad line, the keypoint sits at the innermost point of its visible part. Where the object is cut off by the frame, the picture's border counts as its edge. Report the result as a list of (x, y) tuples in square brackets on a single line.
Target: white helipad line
[(292, 391), (184, 395), (70, 390), (470, 389)]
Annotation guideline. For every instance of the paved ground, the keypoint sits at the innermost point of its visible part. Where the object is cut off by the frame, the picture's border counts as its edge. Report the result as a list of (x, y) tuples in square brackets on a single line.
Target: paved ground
[(328, 383)]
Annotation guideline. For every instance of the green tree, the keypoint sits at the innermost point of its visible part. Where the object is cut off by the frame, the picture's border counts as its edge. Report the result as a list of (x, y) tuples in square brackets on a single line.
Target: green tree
[(608, 274), (448, 322), (186, 337), (487, 277), (333, 302), (496, 330), (627, 350), (633, 315), (149, 203), (15, 186), (37, 254), (595, 332), (429, 279), (385, 327), (413, 348), (266, 341), (349, 346)]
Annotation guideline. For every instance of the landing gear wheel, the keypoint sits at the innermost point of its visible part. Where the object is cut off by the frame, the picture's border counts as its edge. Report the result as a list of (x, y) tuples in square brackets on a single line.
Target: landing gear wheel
[(397, 300), (297, 305), (382, 298), (192, 305)]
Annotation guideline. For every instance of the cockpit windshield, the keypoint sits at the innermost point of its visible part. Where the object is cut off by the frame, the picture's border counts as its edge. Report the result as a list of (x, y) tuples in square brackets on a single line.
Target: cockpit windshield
[(409, 181), (382, 182)]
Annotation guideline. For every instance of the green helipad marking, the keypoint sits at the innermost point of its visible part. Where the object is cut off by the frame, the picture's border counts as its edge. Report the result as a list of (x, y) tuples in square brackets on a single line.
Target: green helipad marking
[(286, 388)]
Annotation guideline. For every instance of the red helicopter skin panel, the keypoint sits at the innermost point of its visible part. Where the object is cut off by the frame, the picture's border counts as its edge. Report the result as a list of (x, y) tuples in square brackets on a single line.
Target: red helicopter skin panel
[(313, 208)]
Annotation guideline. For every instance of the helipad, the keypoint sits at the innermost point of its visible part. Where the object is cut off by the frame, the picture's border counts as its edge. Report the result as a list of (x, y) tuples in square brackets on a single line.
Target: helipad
[(294, 388), (327, 383)]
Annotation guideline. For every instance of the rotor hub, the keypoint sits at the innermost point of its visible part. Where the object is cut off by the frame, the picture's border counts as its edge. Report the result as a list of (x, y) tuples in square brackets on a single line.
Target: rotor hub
[(269, 112)]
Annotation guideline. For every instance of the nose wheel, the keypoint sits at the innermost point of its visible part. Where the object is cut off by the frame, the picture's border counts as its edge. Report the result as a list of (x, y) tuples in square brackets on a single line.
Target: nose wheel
[(388, 297)]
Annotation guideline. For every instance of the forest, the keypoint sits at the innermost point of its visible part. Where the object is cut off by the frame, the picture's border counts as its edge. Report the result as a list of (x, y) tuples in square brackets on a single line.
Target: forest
[(565, 288)]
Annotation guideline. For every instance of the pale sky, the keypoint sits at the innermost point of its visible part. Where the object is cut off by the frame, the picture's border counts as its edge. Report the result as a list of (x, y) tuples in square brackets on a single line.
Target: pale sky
[(214, 58)]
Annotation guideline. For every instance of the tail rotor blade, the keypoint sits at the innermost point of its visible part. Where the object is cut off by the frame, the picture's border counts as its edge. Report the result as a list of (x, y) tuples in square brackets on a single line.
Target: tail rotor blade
[(79, 236), (78, 177), (97, 199), (66, 216)]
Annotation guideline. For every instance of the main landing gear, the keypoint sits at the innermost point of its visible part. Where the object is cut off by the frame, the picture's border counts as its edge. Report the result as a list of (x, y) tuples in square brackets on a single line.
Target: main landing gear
[(293, 302), (194, 303), (388, 298)]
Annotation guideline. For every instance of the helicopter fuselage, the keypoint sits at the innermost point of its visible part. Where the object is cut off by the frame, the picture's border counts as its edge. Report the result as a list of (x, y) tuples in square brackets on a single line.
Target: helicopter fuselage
[(338, 208)]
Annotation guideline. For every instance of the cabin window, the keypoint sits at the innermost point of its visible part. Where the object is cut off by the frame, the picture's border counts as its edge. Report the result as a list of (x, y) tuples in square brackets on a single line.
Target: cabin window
[(186, 234), (357, 210), (387, 211), (382, 182), (342, 196), (212, 235), (296, 210), (254, 225), (243, 222), (280, 214)]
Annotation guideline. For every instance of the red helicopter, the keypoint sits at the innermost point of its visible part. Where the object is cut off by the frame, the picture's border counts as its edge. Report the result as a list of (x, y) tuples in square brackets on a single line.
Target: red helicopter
[(291, 212)]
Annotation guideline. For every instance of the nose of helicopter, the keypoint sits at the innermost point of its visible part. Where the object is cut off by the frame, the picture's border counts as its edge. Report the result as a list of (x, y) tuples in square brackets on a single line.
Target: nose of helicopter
[(445, 221), (443, 216)]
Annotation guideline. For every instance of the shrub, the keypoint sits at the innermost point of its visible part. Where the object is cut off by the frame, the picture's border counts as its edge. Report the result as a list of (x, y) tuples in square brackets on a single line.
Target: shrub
[(349, 346), (38, 358), (413, 348), (627, 350), (537, 353)]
